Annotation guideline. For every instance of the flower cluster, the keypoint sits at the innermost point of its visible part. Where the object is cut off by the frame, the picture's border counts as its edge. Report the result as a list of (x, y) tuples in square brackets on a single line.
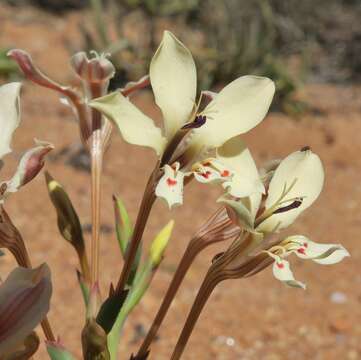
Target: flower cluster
[(202, 142), (290, 187), (200, 139), (190, 132)]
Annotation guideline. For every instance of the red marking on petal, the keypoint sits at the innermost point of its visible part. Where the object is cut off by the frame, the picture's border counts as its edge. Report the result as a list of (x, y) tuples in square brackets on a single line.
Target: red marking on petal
[(305, 245), (206, 174), (171, 182), (301, 251), (280, 265), (225, 173)]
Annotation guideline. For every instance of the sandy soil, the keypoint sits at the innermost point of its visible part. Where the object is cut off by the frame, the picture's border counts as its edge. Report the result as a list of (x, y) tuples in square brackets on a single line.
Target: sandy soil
[(258, 318)]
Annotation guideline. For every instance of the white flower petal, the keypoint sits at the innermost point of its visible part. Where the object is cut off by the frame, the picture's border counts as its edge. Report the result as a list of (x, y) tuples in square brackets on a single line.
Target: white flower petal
[(334, 258), (238, 108), (170, 186), (282, 271), (325, 254), (211, 171), (9, 114), (305, 170), (135, 127), (245, 180), (174, 81)]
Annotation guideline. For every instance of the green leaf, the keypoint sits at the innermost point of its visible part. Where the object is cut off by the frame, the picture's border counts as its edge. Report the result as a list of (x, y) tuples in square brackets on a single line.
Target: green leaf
[(141, 284), (124, 230), (123, 224), (57, 351), (110, 309), (83, 287)]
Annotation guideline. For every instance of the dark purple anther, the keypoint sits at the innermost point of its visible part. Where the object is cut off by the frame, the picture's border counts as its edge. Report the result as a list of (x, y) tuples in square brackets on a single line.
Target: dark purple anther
[(297, 203), (199, 121)]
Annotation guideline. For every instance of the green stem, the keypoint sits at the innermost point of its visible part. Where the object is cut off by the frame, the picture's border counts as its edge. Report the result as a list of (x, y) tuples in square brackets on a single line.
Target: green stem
[(141, 284), (98, 11), (189, 255)]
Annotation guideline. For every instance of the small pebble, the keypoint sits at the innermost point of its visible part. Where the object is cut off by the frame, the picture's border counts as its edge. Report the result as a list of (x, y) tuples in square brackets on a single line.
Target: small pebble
[(338, 297), (227, 340)]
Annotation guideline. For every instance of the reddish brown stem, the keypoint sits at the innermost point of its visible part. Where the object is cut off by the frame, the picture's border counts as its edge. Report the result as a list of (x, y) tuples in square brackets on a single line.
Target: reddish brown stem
[(217, 228), (142, 218), (210, 282), (193, 249)]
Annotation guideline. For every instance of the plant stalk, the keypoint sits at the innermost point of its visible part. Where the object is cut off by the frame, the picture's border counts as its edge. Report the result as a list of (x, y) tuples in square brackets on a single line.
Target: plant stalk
[(221, 269), (96, 153), (216, 229), (142, 218), (193, 249), (212, 278)]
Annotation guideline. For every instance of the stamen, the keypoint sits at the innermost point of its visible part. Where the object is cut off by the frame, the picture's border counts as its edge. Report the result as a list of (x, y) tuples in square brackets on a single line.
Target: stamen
[(269, 212), (294, 205), (199, 121), (305, 148)]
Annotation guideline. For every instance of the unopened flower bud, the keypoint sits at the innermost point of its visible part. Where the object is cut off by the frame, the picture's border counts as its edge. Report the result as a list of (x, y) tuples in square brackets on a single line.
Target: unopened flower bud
[(95, 70), (160, 243)]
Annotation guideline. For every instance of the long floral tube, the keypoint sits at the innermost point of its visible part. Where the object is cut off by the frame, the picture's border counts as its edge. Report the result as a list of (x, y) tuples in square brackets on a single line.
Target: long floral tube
[(217, 228), (96, 175), (218, 272), (206, 289)]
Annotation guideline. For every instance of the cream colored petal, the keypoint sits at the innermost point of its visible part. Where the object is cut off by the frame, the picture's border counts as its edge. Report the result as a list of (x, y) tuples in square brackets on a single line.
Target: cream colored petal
[(325, 254), (135, 127), (170, 186), (9, 114), (211, 171), (207, 175), (238, 108), (245, 180), (174, 81), (282, 272), (303, 169), (335, 257)]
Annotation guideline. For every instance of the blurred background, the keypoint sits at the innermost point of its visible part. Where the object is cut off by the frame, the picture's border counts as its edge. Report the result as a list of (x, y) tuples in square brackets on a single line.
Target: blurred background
[(312, 51)]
